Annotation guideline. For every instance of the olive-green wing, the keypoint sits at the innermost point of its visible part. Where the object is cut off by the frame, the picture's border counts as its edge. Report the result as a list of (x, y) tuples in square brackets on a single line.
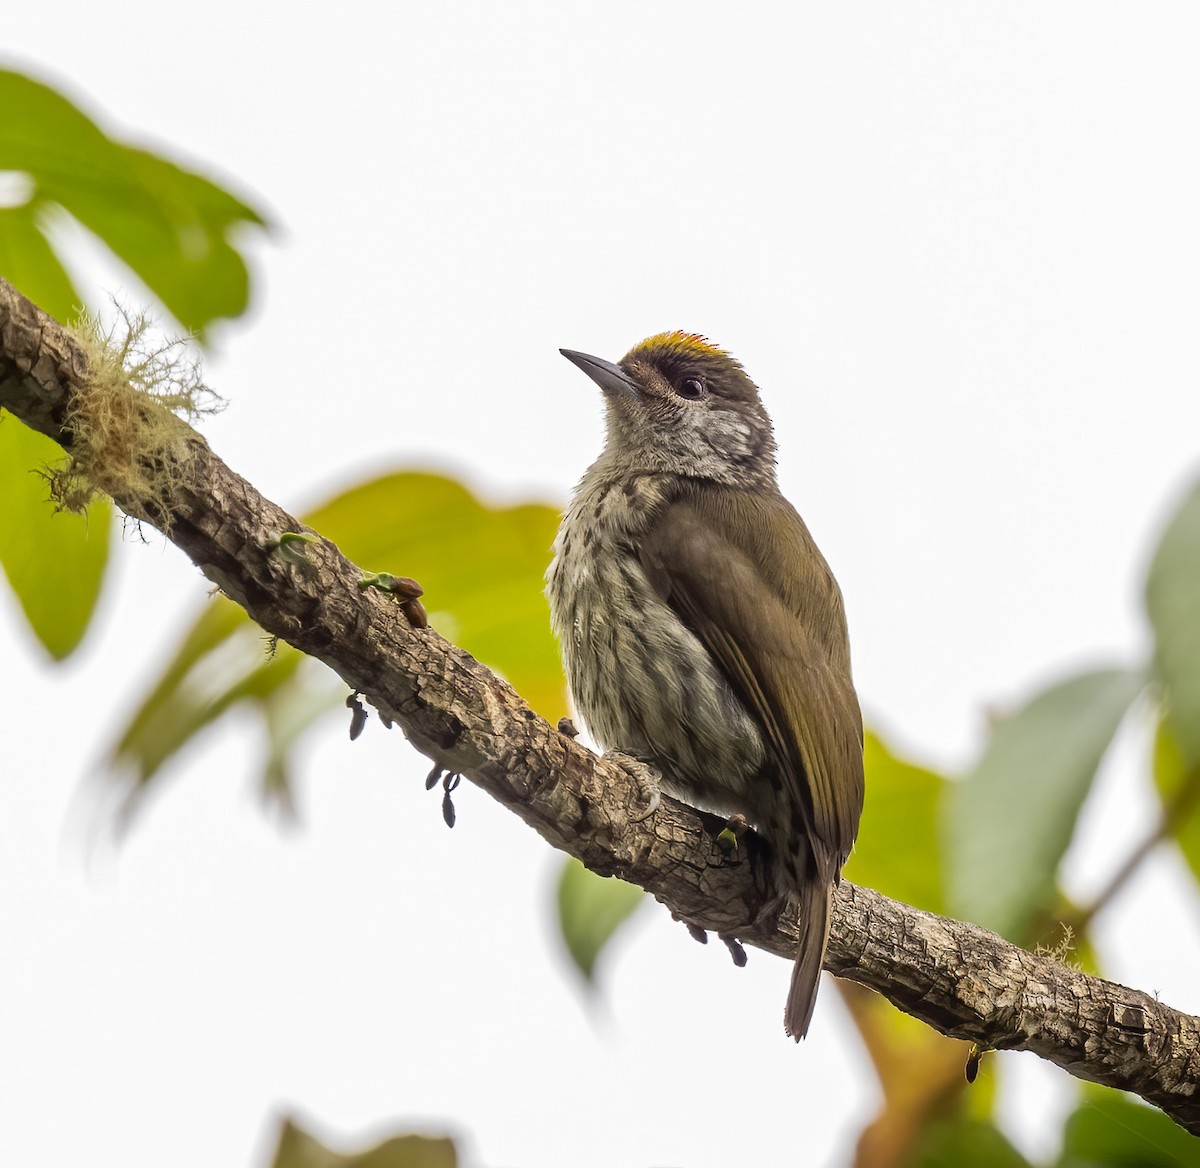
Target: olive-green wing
[(744, 574)]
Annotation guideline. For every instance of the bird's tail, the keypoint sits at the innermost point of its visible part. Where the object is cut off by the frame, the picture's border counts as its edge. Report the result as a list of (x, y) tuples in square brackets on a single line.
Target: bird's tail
[(816, 902)]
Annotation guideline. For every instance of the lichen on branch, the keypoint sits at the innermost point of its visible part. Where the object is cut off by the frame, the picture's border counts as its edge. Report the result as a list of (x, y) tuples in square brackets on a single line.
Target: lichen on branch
[(126, 423)]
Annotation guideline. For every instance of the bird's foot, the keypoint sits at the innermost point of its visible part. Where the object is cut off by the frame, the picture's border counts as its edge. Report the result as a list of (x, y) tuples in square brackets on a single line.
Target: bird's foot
[(647, 782)]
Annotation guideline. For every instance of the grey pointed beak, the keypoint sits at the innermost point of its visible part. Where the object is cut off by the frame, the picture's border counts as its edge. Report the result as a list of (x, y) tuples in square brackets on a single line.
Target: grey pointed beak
[(609, 377)]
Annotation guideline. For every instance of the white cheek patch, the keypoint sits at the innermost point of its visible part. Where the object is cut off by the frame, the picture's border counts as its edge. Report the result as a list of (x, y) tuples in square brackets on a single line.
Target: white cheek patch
[(729, 434), (715, 439)]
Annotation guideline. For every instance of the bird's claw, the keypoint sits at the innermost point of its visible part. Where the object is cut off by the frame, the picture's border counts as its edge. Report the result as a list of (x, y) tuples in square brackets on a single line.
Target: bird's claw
[(646, 780)]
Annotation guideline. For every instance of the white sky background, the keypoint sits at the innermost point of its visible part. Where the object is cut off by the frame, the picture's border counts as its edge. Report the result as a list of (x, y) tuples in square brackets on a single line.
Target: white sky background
[(956, 245)]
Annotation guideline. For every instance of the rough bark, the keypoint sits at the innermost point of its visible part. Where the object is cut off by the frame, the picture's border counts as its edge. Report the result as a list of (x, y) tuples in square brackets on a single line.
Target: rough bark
[(956, 977)]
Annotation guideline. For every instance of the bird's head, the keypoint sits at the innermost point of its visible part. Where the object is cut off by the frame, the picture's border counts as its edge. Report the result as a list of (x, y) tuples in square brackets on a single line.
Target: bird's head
[(678, 404)]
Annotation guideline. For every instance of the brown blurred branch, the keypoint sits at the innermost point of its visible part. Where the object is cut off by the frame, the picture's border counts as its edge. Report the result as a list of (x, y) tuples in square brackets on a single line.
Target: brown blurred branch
[(957, 978), (1175, 811)]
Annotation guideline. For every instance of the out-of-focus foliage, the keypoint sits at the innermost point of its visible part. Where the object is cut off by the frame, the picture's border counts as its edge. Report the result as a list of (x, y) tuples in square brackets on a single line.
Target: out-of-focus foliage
[(1009, 822), (961, 1142), (174, 229), (54, 562), (897, 849), (1112, 1130), (481, 568), (297, 1149), (28, 261), (1179, 788), (920, 1074), (1173, 603), (591, 909)]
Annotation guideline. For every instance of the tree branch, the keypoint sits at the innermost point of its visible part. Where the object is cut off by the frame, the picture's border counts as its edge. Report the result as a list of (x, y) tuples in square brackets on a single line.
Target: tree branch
[(956, 977), (1175, 812)]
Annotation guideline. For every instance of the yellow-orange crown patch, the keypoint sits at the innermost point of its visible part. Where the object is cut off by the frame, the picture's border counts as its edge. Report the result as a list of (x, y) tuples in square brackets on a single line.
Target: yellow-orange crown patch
[(683, 343)]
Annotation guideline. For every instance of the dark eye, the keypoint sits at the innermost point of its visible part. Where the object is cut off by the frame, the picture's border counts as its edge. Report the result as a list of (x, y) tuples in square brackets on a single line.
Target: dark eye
[(691, 388)]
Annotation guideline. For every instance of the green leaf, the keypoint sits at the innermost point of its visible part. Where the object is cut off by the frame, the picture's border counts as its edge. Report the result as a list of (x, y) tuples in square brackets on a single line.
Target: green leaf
[(297, 1149), (953, 1143), (28, 262), (1179, 789), (177, 713), (482, 567), (172, 227), (54, 561), (1173, 604), (1009, 822), (591, 909), (1109, 1130), (183, 251), (482, 570), (898, 844), (290, 712)]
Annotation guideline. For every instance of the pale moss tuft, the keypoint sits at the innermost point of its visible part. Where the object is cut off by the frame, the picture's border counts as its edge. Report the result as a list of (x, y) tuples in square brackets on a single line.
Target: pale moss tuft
[(1063, 949), (125, 430)]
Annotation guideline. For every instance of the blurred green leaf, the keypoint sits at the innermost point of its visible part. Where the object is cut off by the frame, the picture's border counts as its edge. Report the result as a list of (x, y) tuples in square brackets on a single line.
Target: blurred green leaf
[(288, 690), (1173, 603), (482, 569), (921, 1074), (1179, 789), (289, 712), (172, 227), (298, 1149), (591, 909), (964, 1142), (1108, 1130), (28, 262), (1009, 822), (898, 849), (54, 561)]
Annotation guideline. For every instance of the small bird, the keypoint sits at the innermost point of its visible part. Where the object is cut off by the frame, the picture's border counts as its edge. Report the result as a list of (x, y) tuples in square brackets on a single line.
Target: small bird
[(701, 629)]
